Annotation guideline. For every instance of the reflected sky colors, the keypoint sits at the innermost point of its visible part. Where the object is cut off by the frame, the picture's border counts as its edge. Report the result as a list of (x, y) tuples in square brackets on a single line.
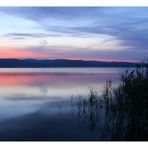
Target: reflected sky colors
[(44, 83), (88, 33), (54, 82), (35, 104)]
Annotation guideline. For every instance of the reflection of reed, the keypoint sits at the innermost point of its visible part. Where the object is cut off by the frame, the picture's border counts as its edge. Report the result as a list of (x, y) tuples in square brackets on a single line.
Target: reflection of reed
[(87, 110)]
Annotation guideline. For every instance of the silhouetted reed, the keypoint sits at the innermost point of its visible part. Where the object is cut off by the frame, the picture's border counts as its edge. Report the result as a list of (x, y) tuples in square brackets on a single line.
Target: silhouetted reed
[(125, 107)]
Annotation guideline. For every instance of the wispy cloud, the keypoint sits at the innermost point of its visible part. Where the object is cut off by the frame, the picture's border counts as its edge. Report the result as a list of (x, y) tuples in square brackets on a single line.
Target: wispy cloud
[(30, 35)]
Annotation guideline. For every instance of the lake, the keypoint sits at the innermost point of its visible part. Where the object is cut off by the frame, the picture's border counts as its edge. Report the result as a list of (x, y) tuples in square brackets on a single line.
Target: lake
[(35, 104)]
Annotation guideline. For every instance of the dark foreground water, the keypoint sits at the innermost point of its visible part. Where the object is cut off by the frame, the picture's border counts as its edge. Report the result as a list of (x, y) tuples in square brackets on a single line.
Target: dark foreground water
[(35, 104)]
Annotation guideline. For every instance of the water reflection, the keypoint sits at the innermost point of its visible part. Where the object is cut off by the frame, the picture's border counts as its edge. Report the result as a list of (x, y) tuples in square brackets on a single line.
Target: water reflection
[(36, 104)]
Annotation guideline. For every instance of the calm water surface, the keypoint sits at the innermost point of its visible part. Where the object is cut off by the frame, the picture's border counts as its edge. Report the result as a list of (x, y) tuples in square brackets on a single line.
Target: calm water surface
[(35, 104)]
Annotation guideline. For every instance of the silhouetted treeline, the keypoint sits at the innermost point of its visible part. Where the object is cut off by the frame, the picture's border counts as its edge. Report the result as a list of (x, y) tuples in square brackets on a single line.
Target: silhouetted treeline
[(36, 63)]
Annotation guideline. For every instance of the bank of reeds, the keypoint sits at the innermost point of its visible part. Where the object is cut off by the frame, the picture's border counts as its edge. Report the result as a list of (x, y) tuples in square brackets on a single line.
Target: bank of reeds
[(125, 107)]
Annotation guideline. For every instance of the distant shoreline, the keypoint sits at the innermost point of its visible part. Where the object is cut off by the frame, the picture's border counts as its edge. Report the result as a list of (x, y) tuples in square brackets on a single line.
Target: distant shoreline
[(62, 63), (61, 67)]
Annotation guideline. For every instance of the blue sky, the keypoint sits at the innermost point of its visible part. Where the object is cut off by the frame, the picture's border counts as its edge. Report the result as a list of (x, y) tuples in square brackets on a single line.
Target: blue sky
[(87, 33)]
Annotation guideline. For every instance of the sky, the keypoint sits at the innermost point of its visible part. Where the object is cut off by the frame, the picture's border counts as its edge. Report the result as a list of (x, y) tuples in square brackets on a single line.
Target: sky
[(77, 33)]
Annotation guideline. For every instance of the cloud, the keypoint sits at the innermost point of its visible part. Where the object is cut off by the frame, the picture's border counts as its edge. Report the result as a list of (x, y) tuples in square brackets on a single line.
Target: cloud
[(55, 52), (41, 13), (128, 25), (43, 43), (30, 35)]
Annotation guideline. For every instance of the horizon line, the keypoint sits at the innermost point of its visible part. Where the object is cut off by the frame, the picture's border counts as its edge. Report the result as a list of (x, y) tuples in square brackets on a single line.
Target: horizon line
[(79, 59)]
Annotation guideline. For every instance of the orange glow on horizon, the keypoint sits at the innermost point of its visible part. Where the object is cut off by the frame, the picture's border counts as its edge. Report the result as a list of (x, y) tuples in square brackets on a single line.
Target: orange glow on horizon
[(21, 54), (10, 52)]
